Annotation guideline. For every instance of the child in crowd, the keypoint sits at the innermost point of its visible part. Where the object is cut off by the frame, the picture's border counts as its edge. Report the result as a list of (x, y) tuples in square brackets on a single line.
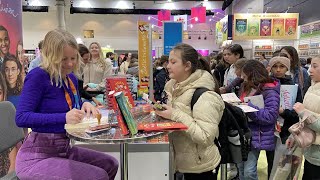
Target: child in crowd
[(310, 109), (231, 54), (262, 122), (49, 100), (161, 78), (299, 74), (195, 154), (280, 69), (234, 86)]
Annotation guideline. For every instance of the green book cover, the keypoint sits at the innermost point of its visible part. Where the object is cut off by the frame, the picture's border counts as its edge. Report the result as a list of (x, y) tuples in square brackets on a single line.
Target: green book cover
[(241, 27), (253, 27), (125, 110)]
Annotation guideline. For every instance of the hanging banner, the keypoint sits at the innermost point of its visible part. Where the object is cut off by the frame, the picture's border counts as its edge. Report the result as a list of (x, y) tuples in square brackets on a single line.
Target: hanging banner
[(163, 15), (310, 30), (224, 30), (12, 61), (172, 35), (144, 53), (199, 13), (183, 19), (265, 26)]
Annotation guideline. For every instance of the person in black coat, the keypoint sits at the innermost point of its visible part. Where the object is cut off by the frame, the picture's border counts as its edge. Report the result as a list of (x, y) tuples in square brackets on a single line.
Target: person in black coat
[(161, 78)]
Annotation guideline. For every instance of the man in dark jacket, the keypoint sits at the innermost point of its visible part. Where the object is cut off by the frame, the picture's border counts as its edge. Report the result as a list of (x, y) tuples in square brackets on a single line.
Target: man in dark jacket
[(161, 78)]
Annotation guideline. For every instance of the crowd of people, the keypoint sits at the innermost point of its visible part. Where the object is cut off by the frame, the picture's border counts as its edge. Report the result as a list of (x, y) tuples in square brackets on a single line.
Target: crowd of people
[(66, 75)]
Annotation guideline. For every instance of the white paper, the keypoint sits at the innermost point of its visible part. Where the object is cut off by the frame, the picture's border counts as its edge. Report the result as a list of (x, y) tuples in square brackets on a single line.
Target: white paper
[(230, 98), (288, 96), (255, 100), (246, 108)]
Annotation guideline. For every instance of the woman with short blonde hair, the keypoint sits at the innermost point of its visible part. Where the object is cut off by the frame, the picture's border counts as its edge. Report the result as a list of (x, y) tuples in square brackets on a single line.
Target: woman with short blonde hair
[(49, 100)]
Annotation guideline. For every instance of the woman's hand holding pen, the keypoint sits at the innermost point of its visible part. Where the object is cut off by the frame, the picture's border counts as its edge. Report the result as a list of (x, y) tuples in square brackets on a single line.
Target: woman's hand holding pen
[(74, 116)]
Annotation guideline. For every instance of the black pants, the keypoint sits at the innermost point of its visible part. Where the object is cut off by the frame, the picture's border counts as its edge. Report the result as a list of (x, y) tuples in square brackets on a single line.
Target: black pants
[(270, 157), (311, 172), (209, 175)]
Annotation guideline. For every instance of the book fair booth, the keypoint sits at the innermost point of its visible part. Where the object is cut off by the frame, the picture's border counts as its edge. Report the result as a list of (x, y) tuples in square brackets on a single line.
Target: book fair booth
[(127, 126)]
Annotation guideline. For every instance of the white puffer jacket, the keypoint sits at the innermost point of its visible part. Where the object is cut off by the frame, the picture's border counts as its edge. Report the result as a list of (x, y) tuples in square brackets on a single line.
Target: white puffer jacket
[(194, 150)]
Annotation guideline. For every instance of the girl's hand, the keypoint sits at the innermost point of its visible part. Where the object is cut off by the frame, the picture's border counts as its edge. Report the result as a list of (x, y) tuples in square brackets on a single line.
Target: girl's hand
[(290, 142), (165, 113), (74, 116), (298, 107), (89, 109), (281, 110)]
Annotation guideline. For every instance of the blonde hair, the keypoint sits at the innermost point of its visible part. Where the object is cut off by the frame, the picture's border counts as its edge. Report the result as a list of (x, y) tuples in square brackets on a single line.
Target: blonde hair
[(101, 60), (52, 53)]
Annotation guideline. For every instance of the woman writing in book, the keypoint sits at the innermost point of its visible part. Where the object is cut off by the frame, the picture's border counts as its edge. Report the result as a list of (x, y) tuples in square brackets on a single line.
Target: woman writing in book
[(262, 122), (195, 154), (49, 100), (310, 109)]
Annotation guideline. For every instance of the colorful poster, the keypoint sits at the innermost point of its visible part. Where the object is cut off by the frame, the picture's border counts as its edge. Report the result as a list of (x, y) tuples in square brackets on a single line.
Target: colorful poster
[(269, 25), (12, 60), (172, 35), (265, 27), (144, 52), (183, 19), (198, 15), (253, 27), (288, 95), (163, 15), (278, 27), (291, 26), (310, 30), (241, 27)]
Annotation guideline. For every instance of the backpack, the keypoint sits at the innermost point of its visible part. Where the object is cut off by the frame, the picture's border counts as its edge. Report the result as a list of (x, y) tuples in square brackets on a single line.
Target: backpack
[(233, 120)]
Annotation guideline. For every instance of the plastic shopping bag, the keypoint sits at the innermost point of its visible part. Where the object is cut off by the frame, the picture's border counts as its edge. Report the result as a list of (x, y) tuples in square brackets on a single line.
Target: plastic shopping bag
[(287, 163)]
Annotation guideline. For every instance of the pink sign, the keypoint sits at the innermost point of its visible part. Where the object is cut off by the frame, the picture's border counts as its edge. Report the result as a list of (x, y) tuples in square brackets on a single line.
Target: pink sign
[(203, 52), (198, 13), (163, 15)]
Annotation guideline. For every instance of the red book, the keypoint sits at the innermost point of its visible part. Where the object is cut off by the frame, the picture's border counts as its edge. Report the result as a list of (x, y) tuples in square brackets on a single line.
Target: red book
[(114, 106), (118, 84)]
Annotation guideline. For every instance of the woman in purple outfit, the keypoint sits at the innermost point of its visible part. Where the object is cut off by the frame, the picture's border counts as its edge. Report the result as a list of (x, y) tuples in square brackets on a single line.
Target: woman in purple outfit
[(49, 100)]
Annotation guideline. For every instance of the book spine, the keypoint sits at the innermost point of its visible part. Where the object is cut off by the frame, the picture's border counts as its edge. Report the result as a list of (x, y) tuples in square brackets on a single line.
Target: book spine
[(123, 105)]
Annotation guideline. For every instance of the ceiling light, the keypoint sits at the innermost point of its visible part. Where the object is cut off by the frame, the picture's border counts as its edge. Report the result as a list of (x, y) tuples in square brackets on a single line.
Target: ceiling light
[(191, 26), (205, 0), (35, 3), (169, 0), (169, 6), (152, 26), (210, 19), (85, 4), (122, 5), (79, 41), (149, 17)]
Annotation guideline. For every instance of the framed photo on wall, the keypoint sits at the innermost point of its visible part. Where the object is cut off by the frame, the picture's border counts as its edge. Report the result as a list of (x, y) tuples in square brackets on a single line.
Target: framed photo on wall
[(88, 33)]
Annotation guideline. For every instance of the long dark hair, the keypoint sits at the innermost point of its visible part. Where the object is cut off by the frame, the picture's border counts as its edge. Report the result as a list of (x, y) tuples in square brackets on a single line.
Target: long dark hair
[(3, 85), (295, 61), (83, 50), (257, 75), (188, 53), (19, 83)]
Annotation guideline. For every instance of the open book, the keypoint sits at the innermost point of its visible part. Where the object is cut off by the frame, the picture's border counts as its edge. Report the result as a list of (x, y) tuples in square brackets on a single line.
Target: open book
[(90, 121)]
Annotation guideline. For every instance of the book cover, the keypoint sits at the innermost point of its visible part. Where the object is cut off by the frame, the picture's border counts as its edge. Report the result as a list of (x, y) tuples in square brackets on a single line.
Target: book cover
[(278, 27), (288, 95), (265, 27), (241, 27), (120, 84), (253, 27), (161, 126), (114, 106), (291, 26), (126, 113), (255, 100)]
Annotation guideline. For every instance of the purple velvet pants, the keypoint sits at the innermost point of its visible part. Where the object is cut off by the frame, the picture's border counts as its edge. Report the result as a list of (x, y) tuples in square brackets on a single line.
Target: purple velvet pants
[(49, 156)]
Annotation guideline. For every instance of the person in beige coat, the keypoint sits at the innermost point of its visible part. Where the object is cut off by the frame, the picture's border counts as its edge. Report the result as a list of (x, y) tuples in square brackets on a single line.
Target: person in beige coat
[(195, 154), (310, 109), (97, 69)]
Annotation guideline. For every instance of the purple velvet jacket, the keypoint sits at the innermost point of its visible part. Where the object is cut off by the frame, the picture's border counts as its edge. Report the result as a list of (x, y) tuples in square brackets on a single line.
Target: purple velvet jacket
[(264, 120)]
